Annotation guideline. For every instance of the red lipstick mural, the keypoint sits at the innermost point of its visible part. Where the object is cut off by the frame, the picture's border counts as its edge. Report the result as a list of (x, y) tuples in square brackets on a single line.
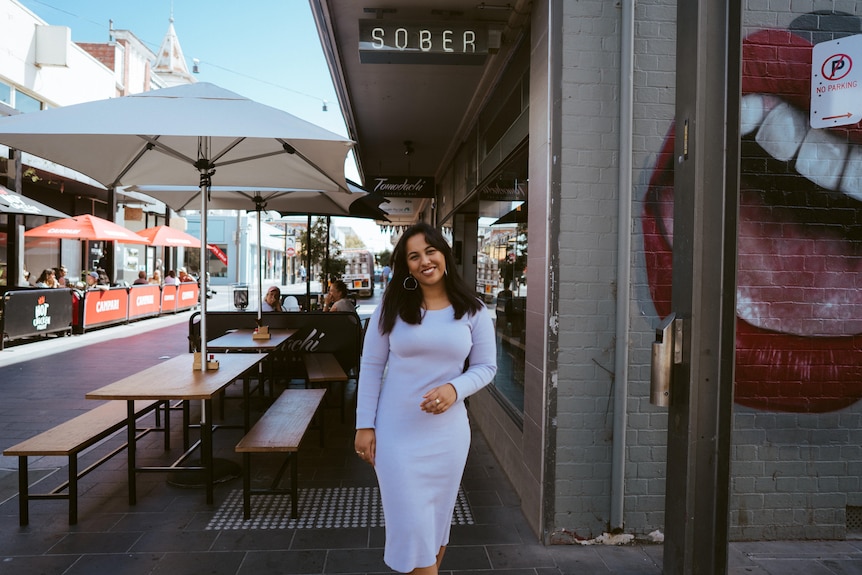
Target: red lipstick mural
[(799, 279)]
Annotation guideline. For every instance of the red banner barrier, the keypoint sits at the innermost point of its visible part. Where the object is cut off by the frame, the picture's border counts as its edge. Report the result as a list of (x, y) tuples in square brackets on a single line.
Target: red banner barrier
[(144, 300), (169, 298), (187, 296), (105, 306)]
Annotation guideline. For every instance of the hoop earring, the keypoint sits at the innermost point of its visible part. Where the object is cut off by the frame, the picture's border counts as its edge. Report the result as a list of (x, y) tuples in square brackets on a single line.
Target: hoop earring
[(413, 285)]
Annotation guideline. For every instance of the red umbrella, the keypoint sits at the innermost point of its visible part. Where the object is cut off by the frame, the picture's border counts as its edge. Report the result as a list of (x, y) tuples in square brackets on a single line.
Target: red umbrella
[(170, 237), (86, 227)]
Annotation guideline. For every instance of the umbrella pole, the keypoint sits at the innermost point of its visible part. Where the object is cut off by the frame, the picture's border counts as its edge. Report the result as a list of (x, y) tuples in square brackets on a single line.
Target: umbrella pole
[(308, 264), (325, 286), (206, 172), (259, 267)]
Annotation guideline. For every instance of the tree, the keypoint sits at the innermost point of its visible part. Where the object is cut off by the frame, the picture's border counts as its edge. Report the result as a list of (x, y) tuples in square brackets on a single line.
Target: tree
[(316, 243)]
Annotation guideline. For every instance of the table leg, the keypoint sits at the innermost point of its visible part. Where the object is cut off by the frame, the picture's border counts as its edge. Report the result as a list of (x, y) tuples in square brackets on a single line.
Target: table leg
[(207, 447), (246, 408), (130, 449)]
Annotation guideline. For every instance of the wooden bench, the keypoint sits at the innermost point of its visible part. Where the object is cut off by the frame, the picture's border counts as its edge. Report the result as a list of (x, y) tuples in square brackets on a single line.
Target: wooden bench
[(71, 438), (323, 368), (280, 430)]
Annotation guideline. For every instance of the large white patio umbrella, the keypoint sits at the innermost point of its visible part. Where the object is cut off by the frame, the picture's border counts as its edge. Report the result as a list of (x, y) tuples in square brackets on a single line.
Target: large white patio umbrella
[(188, 135), (358, 203)]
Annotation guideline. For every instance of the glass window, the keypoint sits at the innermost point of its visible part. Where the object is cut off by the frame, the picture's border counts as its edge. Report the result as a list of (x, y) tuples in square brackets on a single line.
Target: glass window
[(501, 271), (25, 103), (5, 93)]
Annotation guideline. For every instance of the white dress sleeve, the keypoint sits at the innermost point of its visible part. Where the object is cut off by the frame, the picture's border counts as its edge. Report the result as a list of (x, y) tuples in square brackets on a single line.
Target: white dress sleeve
[(482, 359), (375, 355)]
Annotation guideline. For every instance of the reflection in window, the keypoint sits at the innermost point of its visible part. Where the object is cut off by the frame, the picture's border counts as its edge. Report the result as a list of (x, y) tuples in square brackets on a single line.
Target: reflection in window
[(502, 282)]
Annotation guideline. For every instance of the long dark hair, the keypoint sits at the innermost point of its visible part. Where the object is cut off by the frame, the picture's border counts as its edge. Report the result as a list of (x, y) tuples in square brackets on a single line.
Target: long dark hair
[(407, 304)]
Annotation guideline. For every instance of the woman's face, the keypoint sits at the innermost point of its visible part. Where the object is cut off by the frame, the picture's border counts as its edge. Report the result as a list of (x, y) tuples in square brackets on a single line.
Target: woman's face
[(272, 296), (334, 294), (424, 262)]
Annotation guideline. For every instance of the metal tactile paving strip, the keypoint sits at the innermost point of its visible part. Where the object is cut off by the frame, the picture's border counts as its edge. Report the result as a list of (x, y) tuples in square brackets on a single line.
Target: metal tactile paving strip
[(318, 509)]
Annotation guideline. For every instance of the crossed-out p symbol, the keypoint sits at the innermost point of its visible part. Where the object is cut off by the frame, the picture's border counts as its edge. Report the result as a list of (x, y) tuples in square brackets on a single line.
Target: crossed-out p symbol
[(836, 67)]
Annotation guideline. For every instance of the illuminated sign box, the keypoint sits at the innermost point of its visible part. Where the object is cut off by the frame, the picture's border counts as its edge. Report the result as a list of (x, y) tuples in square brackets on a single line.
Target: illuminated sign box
[(446, 43)]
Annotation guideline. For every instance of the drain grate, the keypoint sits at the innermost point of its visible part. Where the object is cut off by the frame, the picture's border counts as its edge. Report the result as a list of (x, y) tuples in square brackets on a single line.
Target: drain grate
[(318, 509), (853, 519)]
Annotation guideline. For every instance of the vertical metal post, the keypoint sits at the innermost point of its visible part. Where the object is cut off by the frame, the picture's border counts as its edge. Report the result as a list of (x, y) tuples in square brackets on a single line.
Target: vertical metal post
[(704, 285)]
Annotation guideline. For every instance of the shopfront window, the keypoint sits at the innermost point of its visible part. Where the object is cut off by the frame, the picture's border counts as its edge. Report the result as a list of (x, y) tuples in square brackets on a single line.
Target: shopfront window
[(501, 272), (216, 260)]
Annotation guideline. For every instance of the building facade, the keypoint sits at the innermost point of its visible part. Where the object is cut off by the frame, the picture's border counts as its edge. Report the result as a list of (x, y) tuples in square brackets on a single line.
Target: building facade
[(556, 122)]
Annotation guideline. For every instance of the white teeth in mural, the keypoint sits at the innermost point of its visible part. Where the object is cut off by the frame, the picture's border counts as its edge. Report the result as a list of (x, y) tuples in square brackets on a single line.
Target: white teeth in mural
[(851, 183), (821, 158), (782, 132), (751, 113)]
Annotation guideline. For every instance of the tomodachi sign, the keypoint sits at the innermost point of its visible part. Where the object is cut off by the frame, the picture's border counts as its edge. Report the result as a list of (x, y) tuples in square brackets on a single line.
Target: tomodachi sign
[(836, 82)]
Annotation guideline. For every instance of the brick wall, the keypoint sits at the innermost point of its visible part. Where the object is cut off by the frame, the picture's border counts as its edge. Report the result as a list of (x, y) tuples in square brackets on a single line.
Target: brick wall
[(796, 460)]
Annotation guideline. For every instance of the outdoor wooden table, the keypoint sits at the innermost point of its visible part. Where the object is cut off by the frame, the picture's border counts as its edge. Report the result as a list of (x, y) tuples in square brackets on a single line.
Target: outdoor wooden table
[(175, 379), (242, 341)]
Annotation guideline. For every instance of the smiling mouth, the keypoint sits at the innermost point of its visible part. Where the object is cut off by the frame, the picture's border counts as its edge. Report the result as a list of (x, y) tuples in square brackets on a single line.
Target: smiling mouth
[(799, 302)]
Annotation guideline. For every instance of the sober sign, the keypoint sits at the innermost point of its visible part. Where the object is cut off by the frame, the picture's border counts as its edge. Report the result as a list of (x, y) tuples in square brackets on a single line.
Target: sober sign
[(836, 82)]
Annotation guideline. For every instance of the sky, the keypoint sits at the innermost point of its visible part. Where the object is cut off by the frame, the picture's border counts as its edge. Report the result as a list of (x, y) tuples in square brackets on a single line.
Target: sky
[(266, 50)]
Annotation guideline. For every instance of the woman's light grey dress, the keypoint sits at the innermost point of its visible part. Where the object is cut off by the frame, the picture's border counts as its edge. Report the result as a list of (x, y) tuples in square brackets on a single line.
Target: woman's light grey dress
[(420, 456)]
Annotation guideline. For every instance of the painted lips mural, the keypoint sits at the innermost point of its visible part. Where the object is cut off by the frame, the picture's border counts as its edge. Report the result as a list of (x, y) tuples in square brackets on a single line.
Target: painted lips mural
[(799, 280)]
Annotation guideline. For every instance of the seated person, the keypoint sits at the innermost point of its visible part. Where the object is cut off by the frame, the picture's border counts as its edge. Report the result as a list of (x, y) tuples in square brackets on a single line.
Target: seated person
[(142, 279), (336, 299), (46, 279), (157, 278), (104, 279), (60, 274), (272, 300), (184, 277), (93, 281), (171, 278)]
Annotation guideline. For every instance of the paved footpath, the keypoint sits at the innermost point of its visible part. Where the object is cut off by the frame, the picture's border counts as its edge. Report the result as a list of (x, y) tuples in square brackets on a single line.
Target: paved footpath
[(340, 530)]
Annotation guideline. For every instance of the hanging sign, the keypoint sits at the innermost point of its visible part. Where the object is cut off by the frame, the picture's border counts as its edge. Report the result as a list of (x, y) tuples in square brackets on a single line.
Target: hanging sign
[(836, 82), (447, 43), (401, 187)]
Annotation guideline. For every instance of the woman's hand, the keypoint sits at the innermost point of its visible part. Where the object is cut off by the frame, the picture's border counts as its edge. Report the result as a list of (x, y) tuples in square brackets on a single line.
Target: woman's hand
[(365, 444), (439, 399)]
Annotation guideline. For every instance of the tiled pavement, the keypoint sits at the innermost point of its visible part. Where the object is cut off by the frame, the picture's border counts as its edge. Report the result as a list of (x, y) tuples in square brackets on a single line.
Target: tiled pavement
[(172, 529)]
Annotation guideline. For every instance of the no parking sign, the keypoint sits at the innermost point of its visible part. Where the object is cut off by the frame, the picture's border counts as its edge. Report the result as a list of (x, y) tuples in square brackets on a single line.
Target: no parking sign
[(836, 82)]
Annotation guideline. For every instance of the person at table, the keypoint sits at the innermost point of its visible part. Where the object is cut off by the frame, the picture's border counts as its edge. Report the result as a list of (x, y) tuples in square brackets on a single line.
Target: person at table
[(92, 279), (171, 278), (411, 420), (336, 299), (46, 279), (60, 275), (142, 279), (184, 277), (104, 278), (156, 278), (272, 300)]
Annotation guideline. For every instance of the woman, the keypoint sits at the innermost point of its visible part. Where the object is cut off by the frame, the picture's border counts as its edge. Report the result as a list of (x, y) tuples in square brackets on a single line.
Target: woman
[(272, 300), (156, 278), (336, 299), (46, 279), (412, 426)]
